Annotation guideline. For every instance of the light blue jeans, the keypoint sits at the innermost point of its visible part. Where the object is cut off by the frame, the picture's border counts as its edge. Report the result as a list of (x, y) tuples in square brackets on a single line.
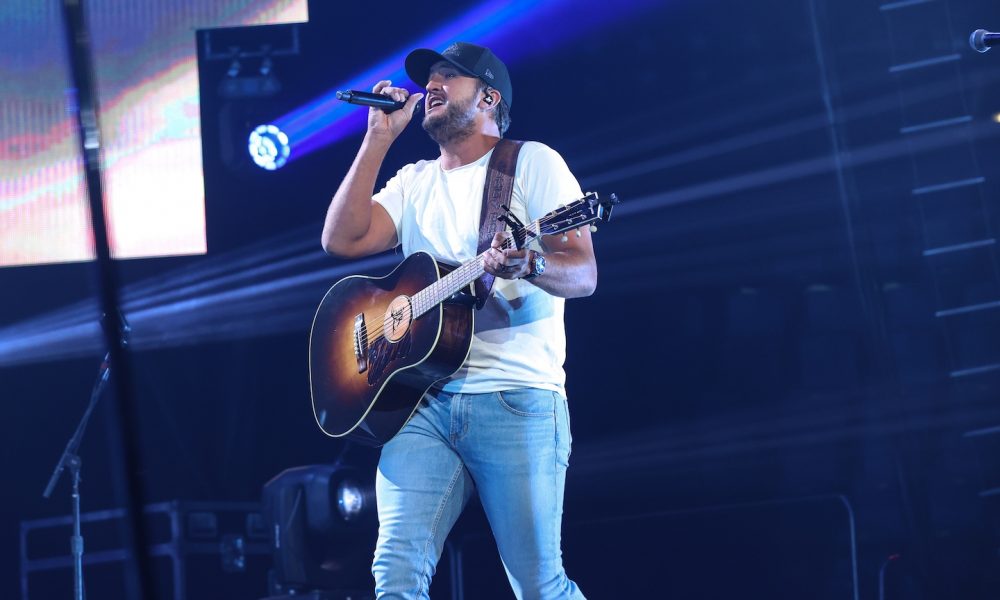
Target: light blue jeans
[(513, 448)]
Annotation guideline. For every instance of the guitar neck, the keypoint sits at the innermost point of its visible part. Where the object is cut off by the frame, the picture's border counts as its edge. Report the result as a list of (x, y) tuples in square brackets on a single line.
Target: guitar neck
[(456, 281), (447, 286)]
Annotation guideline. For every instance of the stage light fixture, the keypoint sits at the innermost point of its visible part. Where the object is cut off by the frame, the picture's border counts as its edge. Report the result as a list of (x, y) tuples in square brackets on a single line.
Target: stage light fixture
[(996, 118), (245, 77), (268, 147), (323, 523), (350, 500)]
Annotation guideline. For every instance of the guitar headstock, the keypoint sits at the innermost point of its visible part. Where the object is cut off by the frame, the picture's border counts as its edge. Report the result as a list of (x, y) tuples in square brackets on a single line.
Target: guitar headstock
[(578, 213), (574, 215)]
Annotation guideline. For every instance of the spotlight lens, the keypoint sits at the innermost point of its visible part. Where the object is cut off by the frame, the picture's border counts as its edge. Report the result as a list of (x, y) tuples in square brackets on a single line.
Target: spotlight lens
[(269, 147), (350, 500)]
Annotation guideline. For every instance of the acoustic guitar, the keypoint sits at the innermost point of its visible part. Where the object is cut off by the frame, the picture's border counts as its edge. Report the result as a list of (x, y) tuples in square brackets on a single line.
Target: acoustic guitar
[(377, 344)]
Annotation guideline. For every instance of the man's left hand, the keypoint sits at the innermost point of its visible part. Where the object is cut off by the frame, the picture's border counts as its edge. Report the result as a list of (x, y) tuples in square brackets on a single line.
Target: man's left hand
[(508, 263)]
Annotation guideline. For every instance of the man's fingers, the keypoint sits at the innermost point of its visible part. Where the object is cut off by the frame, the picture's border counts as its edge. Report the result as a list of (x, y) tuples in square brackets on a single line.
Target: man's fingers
[(495, 258), (503, 263), (513, 254), (489, 265), (386, 88), (397, 94), (493, 261), (411, 102), (499, 238)]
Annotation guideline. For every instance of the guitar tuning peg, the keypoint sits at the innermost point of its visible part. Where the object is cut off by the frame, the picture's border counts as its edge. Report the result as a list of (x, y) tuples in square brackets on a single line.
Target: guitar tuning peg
[(593, 229), (564, 238), (578, 234)]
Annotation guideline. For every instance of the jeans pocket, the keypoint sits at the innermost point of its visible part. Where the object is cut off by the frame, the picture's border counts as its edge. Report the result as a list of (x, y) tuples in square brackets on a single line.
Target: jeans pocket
[(564, 433), (527, 402)]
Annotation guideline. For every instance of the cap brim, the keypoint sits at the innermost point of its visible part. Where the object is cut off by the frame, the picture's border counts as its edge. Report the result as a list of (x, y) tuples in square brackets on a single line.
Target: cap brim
[(419, 62)]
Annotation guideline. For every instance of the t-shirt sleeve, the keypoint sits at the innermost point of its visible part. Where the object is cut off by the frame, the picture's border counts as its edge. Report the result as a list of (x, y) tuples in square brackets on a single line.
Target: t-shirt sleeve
[(545, 180), (391, 199)]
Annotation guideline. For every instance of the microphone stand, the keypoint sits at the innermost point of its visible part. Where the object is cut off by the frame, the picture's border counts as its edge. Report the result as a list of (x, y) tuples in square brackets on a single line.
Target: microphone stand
[(124, 459), (70, 459)]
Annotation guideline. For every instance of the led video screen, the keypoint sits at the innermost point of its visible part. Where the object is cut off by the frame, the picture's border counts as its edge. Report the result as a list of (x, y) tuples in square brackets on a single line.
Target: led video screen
[(146, 71)]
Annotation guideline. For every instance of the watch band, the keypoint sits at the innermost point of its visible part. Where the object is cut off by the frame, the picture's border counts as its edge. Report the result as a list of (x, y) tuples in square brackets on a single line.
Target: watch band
[(533, 261)]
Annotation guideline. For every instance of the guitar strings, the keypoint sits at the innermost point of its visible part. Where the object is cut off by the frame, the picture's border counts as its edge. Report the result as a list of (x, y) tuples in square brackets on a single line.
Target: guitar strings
[(537, 225), (534, 227), (405, 315)]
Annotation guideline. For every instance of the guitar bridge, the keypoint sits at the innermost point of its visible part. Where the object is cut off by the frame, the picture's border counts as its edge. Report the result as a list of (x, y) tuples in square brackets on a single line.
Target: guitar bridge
[(361, 342)]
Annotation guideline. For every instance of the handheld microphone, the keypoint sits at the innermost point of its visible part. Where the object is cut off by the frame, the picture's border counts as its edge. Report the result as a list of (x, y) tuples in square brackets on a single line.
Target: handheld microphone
[(382, 101), (982, 40)]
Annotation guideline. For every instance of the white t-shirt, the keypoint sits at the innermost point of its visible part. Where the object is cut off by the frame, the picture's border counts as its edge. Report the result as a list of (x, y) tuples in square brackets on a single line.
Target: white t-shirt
[(519, 338)]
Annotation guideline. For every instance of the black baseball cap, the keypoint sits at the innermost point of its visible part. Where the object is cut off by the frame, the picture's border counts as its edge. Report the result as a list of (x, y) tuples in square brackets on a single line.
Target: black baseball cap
[(474, 61)]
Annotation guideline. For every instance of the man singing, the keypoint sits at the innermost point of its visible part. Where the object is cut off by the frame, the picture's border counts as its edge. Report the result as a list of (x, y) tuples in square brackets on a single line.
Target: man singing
[(499, 426)]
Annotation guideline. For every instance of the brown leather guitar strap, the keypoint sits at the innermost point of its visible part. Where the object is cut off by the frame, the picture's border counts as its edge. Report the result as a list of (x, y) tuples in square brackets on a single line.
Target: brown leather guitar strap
[(497, 191)]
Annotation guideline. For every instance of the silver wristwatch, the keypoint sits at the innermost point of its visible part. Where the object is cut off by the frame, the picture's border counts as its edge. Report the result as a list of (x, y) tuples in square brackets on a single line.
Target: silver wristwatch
[(537, 262)]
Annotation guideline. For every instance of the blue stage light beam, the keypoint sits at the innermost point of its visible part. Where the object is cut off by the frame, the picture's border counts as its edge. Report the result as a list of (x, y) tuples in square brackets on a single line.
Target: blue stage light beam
[(266, 289), (273, 286), (514, 30)]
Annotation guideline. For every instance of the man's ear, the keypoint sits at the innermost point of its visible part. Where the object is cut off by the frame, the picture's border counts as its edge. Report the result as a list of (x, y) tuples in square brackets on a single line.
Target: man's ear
[(491, 98)]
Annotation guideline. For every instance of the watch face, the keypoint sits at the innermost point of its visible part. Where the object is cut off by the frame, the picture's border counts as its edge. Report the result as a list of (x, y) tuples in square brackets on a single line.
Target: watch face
[(539, 264)]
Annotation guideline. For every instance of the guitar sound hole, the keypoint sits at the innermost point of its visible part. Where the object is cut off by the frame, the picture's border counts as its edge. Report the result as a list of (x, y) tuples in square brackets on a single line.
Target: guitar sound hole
[(397, 319)]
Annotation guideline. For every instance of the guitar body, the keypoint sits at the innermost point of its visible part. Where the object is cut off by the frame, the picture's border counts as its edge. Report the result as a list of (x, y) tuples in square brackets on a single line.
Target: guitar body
[(369, 364)]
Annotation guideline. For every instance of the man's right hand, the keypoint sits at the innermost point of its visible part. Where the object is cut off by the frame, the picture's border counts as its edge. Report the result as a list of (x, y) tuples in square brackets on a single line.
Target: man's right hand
[(392, 124)]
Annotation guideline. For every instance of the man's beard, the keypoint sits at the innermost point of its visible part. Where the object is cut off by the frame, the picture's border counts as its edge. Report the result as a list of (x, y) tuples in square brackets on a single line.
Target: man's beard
[(457, 123)]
